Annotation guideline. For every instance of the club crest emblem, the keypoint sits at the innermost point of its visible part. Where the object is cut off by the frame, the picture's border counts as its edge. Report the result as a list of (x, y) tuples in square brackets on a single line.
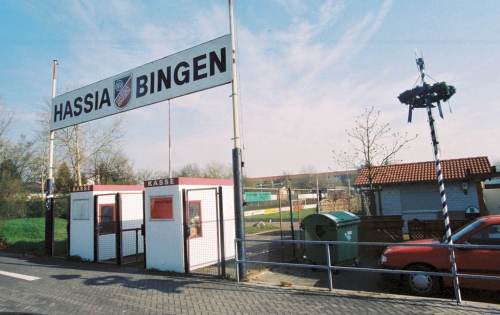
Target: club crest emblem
[(123, 91)]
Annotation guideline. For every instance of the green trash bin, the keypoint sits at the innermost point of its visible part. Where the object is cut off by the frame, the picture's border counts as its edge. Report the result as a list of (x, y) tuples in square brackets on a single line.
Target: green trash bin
[(331, 226)]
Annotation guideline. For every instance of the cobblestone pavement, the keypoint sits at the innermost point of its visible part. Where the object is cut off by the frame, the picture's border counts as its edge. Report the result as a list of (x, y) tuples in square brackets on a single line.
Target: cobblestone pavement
[(80, 288)]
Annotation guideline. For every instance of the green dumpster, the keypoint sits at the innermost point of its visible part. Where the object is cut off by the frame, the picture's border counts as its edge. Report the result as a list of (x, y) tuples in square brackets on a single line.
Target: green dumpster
[(331, 226)]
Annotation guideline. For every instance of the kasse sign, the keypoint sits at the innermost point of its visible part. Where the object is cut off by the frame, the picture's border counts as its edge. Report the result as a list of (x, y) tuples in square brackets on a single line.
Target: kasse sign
[(198, 68)]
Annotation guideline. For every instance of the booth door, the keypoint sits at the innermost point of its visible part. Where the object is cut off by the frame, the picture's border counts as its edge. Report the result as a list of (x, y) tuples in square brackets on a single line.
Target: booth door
[(106, 230), (203, 227)]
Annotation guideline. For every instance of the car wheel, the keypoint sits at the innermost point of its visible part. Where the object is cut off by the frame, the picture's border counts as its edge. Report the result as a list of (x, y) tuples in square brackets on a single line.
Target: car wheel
[(421, 284)]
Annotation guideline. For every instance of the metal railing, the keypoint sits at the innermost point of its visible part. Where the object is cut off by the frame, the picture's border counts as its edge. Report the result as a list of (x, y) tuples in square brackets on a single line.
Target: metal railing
[(329, 267)]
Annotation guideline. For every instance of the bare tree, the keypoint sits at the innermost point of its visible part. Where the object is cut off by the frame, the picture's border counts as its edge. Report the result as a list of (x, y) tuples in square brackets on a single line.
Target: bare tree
[(5, 121), (217, 170), (87, 147), (373, 143)]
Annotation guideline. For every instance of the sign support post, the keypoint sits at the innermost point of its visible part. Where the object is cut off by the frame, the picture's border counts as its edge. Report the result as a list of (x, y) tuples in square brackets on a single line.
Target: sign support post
[(237, 162), (49, 187)]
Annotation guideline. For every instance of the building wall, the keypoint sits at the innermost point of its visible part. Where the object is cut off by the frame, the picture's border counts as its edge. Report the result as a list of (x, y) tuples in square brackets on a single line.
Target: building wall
[(82, 225), (423, 201), (165, 238), (492, 200)]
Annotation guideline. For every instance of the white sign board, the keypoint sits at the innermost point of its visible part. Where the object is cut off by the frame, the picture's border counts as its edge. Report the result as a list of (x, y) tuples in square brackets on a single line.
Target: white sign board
[(198, 68)]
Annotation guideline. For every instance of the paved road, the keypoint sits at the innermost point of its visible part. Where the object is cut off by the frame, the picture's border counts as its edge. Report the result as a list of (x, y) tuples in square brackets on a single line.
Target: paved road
[(80, 288)]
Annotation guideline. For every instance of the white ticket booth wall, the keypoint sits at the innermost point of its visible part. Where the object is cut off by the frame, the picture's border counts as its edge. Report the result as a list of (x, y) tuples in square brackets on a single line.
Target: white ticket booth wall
[(105, 222), (189, 224)]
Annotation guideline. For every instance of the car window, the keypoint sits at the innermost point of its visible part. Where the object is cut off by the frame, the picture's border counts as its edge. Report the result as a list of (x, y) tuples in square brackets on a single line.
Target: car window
[(487, 236), (465, 230)]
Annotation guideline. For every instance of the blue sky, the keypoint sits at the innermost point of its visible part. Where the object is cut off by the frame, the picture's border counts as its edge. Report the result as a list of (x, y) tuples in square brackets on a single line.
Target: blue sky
[(306, 68)]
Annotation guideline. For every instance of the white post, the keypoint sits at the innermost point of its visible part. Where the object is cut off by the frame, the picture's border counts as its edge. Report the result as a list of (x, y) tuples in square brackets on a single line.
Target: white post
[(49, 192), (237, 161), (234, 83), (50, 179)]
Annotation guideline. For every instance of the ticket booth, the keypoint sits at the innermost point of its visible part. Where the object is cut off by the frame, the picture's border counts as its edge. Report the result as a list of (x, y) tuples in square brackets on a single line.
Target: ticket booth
[(105, 223), (189, 224)]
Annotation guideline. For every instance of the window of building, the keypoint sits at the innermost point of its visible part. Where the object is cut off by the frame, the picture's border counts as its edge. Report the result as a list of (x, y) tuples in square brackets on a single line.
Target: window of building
[(80, 209), (161, 208), (106, 219), (195, 218)]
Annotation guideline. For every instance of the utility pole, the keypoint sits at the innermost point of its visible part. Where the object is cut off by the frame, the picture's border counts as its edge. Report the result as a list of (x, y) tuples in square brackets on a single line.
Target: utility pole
[(237, 161)]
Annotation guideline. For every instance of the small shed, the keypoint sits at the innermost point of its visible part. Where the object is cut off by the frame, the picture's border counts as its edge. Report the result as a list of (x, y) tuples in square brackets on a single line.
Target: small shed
[(411, 189), (105, 222), (189, 224)]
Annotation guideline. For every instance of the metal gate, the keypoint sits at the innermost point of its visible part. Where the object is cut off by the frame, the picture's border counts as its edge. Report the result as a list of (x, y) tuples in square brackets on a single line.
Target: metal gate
[(204, 231), (57, 226), (118, 238)]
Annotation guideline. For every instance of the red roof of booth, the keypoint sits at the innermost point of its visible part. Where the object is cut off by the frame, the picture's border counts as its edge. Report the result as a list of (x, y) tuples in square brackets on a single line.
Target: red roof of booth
[(107, 188), (188, 181)]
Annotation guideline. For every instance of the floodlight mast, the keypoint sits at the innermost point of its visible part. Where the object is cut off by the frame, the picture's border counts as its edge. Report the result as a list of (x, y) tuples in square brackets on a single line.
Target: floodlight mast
[(440, 179)]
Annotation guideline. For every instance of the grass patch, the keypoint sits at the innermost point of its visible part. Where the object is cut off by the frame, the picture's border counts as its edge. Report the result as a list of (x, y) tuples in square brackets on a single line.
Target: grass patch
[(275, 217), (27, 235), (249, 229)]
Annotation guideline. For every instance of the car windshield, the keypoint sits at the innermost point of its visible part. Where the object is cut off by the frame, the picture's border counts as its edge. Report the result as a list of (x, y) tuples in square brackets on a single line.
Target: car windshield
[(464, 230)]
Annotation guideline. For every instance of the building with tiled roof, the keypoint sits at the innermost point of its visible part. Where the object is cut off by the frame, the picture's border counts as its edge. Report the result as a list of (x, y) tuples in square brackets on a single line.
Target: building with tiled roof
[(411, 189), (455, 169)]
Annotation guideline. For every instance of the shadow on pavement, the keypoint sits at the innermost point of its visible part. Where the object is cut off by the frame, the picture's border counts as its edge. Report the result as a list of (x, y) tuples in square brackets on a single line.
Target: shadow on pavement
[(170, 285)]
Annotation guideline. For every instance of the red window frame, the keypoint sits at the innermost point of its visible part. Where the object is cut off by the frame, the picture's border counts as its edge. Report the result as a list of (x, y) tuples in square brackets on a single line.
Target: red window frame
[(200, 232), (161, 198), (99, 214), (110, 227)]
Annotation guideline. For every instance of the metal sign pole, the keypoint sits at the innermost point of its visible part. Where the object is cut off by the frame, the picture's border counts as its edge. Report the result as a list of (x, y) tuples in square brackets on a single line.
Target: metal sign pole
[(440, 179), (237, 162), (169, 144), (49, 189)]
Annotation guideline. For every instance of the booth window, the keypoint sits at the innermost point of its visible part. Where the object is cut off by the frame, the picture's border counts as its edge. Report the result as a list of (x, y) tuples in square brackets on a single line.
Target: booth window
[(161, 208), (80, 209), (107, 218), (195, 218)]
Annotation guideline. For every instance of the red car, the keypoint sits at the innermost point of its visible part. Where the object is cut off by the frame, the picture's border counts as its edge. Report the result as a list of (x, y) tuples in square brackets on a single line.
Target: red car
[(483, 231)]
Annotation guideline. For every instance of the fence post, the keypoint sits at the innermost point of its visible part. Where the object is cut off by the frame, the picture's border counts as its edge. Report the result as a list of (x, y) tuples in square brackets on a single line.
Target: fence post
[(49, 228), (291, 220), (136, 245), (68, 225), (222, 232), (236, 260), (281, 215), (291, 212), (328, 261), (118, 229)]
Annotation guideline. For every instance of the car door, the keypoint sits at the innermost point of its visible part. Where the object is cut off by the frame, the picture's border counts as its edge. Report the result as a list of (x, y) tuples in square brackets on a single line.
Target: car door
[(480, 261)]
